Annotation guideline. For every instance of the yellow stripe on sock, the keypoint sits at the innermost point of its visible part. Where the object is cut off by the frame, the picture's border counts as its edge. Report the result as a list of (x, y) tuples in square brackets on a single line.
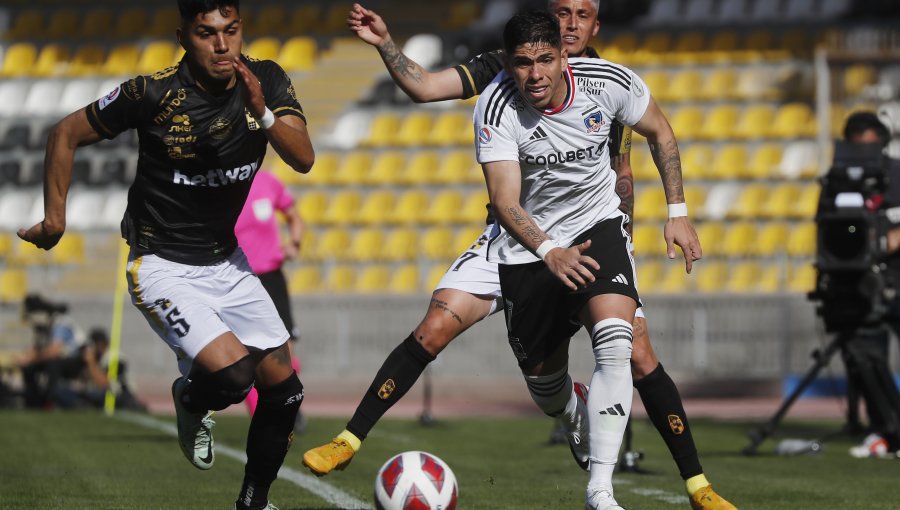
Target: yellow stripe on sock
[(351, 438), (695, 483)]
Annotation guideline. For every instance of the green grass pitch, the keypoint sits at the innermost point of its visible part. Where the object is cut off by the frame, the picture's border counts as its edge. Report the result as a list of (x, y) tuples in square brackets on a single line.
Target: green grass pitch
[(89, 461)]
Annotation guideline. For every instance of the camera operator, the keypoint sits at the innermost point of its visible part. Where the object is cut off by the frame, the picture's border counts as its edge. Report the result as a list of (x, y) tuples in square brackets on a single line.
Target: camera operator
[(866, 356), (55, 337)]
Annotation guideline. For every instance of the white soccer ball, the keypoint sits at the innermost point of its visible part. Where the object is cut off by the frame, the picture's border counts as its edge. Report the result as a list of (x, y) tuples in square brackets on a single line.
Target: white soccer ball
[(415, 481)]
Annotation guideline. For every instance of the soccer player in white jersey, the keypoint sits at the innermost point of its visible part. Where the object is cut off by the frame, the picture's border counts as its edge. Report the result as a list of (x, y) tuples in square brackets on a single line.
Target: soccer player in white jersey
[(470, 289), (563, 251)]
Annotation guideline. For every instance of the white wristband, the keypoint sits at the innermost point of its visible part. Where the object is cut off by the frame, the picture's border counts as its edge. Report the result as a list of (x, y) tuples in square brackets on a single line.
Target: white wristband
[(268, 119), (545, 247), (677, 210)]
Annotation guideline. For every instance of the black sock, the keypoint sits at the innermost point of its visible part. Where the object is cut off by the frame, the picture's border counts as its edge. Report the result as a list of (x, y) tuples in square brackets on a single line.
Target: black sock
[(664, 407), (397, 375), (268, 440)]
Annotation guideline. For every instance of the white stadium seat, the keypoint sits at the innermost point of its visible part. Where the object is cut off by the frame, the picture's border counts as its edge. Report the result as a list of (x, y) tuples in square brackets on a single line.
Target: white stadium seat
[(15, 207), (83, 211), (113, 209), (43, 98), (77, 94), (13, 93), (425, 49), (720, 199)]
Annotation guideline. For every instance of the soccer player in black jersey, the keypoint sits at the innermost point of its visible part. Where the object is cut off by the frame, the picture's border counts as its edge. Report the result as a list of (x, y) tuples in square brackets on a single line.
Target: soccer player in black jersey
[(454, 307), (204, 126)]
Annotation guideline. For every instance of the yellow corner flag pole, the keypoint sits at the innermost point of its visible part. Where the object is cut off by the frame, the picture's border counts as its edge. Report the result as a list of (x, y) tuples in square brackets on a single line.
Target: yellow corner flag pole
[(115, 331)]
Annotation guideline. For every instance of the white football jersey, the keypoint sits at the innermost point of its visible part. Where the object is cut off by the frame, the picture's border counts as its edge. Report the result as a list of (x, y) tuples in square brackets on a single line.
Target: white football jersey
[(568, 184)]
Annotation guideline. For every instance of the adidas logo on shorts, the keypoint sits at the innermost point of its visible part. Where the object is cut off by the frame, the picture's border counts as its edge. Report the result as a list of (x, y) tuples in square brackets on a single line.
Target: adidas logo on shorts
[(620, 278)]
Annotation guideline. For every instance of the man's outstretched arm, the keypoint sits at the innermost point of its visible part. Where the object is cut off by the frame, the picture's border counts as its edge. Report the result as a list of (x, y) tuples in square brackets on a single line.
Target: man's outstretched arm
[(419, 84)]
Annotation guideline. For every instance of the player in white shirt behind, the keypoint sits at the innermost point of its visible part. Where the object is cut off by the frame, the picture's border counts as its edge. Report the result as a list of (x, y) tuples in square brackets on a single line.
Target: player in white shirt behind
[(563, 252)]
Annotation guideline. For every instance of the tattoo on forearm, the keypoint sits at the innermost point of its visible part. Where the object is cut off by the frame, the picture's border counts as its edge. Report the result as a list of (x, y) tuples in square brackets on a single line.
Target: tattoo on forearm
[(442, 305), (399, 63), (527, 228), (625, 188), (668, 161)]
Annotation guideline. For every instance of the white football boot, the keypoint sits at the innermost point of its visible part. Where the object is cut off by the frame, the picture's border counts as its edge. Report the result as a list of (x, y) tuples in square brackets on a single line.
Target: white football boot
[(194, 430), (577, 430), (601, 500)]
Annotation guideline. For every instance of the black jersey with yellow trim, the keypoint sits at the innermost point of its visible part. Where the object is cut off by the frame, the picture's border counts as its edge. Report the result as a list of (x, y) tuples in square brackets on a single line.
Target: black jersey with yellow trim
[(198, 154)]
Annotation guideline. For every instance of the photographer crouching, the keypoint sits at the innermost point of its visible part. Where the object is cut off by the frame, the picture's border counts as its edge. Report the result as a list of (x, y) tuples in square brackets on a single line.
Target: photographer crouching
[(866, 354)]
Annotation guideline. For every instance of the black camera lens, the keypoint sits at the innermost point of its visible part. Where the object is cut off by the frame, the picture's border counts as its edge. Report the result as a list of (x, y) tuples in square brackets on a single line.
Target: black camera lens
[(844, 239)]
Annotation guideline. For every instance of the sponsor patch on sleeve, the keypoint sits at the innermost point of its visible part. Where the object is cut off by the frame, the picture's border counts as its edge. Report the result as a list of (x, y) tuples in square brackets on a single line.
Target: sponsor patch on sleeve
[(109, 98)]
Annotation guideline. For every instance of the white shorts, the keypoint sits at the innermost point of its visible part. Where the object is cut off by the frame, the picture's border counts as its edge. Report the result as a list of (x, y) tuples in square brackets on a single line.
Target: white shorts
[(472, 273), (190, 306)]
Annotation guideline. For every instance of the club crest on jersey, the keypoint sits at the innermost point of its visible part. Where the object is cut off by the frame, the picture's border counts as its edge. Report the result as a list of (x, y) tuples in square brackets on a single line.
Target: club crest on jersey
[(594, 122), (484, 135), (109, 98)]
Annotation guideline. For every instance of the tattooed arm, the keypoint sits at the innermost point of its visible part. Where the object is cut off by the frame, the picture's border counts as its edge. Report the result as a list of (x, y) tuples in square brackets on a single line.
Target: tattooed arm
[(504, 183), (621, 164), (664, 149), (420, 85)]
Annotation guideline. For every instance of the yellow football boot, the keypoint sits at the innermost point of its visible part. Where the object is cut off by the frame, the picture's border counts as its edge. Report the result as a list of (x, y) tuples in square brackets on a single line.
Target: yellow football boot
[(707, 499), (326, 458)]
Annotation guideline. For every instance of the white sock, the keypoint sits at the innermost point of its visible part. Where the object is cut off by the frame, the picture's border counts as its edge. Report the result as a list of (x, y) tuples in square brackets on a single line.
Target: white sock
[(609, 401), (554, 393)]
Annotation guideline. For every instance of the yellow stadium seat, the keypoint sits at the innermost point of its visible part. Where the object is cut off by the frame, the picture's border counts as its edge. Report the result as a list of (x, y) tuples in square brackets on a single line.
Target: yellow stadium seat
[(163, 22), (264, 48), (340, 279), (744, 278), (711, 235), (802, 278), (760, 40), (63, 23), (366, 245), (372, 279), (382, 131), (387, 168), (285, 173), (467, 238), (642, 167), (87, 60), (857, 77), (323, 170), (298, 54), (13, 286), (653, 49), (446, 128), (780, 202), (690, 47), (739, 240), (435, 244), (686, 122), (749, 202), (684, 86), (771, 279), (354, 169), (268, 19), (443, 209), (308, 243), (334, 20), (421, 169), (311, 207), (695, 197), (674, 279), (409, 208), (802, 241), (764, 161), (305, 280), (650, 204), (658, 84), (696, 162), (414, 129), (648, 240), (404, 280), (474, 209), (303, 18), (343, 207), (719, 123), (435, 273), (18, 60), (453, 167), (719, 85), (754, 123), (52, 60), (729, 163), (710, 276), (96, 23), (772, 239), (5, 246), (156, 56), (130, 23), (649, 274), (401, 245), (122, 60), (792, 121), (333, 244), (797, 42), (27, 254), (27, 24), (376, 208), (69, 250), (804, 208)]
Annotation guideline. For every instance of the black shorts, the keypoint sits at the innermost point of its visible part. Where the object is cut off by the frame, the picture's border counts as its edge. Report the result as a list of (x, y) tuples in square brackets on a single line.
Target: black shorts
[(276, 285), (541, 311)]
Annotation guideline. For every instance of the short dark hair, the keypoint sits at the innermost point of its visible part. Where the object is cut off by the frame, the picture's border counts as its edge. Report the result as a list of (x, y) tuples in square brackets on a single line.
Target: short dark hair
[(531, 27), (860, 122), (98, 335), (189, 9)]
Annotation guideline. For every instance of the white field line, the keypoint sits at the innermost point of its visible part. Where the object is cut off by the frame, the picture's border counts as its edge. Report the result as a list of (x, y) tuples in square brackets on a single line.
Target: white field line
[(309, 483)]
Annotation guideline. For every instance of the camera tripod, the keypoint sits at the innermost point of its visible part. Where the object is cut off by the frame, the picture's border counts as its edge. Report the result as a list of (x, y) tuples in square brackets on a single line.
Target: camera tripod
[(878, 394)]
